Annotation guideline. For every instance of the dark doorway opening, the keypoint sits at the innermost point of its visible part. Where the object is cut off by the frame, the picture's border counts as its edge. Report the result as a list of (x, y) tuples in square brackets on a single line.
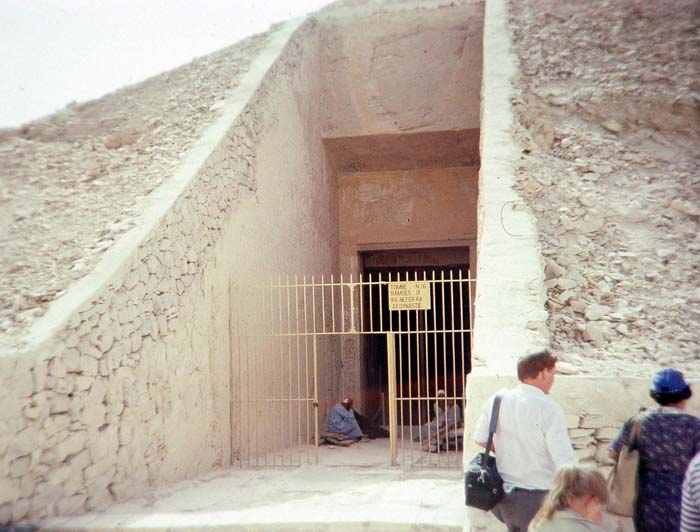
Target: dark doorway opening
[(431, 353)]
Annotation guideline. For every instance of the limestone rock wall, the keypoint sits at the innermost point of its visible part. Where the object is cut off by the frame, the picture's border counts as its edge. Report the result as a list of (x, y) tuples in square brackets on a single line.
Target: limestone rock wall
[(414, 66), (131, 389)]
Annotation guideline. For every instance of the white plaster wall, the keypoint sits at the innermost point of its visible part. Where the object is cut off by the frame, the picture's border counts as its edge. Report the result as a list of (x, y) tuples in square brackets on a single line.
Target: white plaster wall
[(127, 383)]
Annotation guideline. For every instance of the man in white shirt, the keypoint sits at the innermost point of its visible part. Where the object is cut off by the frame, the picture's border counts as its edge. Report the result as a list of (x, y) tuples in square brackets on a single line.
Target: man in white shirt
[(531, 441)]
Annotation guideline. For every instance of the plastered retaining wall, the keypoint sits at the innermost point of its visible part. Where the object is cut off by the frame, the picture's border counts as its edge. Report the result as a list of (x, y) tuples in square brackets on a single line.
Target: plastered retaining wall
[(125, 384), (510, 318)]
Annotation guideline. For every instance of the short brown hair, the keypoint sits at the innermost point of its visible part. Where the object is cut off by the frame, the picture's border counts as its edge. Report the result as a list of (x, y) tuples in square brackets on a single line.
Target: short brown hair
[(529, 366)]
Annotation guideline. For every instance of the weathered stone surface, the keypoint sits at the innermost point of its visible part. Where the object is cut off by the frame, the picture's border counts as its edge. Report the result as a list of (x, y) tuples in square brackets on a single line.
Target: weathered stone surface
[(596, 312), (592, 421), (71, 505), (74, 442)]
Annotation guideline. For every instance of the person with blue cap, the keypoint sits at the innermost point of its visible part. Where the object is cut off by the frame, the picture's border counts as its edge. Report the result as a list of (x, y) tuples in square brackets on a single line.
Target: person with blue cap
[(668, 438)]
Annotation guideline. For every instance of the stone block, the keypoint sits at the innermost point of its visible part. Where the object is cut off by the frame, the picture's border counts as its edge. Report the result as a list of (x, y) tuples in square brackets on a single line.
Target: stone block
[(606, 434), (28, 485), (578, 433), (39, 372), (26, 441), (71, 360), (592, 421), (93, 415), (72, 505), (73, 443), (98, 477), (9, 490), (103, 443), (58, 475), (579, 443), (20, 510), (57, 368), (83, 382), (88, 365), (56, 423), (65, 385), (5, 514), (135, 340), (20, 466), (72, 339), (585, 453)]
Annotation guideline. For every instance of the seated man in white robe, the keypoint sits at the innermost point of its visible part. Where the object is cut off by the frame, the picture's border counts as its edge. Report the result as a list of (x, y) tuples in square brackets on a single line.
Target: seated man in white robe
[(341, 420), (442, 424)]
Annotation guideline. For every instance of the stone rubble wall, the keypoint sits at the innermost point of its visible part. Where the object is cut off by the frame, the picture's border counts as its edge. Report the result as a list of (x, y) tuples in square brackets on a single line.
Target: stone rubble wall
[(131, 389)]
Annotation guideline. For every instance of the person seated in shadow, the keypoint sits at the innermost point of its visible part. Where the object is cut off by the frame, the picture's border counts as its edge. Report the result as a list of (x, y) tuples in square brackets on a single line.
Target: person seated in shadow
[(442, 424), (341, 420)]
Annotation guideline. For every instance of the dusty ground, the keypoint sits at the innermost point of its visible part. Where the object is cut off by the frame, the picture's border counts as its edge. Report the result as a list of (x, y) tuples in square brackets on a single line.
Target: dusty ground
[(72, 182), (608, 111)]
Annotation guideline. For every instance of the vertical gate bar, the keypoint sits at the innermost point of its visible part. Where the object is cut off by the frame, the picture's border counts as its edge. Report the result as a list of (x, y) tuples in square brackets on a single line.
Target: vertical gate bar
[(410, 369), (455, 405), (342, 304), (332, 304), (247, 392), (391, 370), (435, 353), (306, 372), (280, 408), (313, 349), (239, 386), (323, 304), (463, 375), (230, 371), (273, 341), (315, 398), (444, 359), (426, 350), (298, 396), (352, 304), (264, 346), (381, 306), (371, 310), (256, 389), (362, 305), (289, 375), (399, 394), (389, 317)]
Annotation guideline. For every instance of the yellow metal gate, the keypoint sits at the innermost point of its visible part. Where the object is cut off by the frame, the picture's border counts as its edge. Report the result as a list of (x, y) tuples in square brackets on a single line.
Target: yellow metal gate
[(286, 362)]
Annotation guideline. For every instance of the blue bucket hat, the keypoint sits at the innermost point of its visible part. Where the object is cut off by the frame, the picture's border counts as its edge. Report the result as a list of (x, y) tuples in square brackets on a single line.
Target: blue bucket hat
[(669, 381)]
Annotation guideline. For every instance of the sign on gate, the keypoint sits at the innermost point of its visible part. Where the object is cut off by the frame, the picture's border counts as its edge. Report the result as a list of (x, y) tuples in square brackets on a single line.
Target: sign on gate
[(409, 295)]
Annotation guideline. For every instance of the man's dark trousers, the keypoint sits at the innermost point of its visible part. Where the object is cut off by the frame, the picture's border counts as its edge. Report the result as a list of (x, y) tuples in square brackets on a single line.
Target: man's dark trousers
[(518, 508)]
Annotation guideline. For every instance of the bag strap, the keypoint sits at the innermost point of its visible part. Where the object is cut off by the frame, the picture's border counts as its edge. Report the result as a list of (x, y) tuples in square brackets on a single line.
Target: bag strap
[(492, 424), (633, 440)]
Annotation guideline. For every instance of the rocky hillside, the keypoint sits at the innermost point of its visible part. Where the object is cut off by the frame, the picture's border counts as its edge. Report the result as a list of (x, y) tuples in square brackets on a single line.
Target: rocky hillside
[(608, 120), (75, 181)]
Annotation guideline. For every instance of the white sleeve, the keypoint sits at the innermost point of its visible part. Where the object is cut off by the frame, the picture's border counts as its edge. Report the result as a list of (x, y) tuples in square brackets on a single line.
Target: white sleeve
[(557, 438), (481, 432)]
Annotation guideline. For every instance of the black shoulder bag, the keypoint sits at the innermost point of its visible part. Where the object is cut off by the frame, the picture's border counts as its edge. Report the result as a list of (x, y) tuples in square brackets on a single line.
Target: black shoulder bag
[(483, 486)]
